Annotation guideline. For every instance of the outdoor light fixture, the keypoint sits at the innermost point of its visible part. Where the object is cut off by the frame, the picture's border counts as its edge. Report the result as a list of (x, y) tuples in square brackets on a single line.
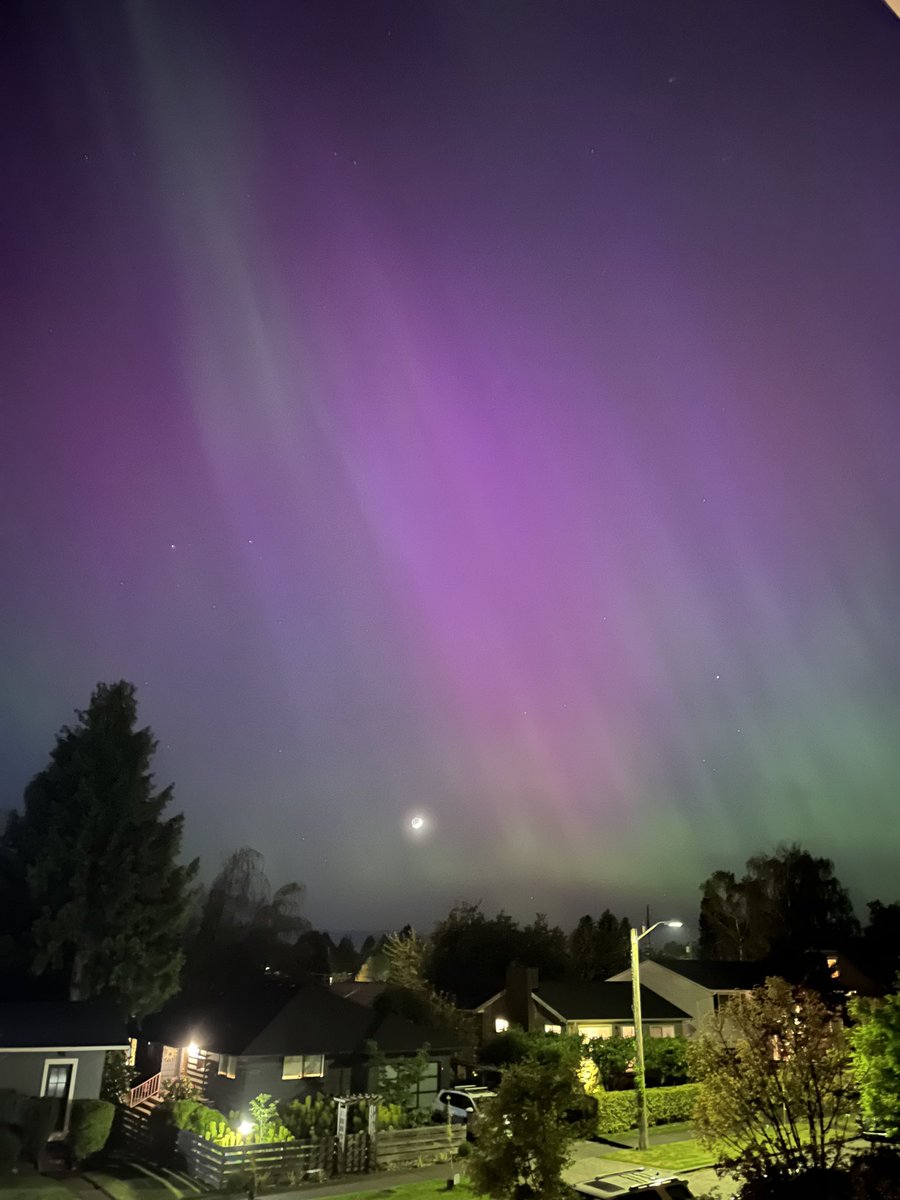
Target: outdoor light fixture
[(245, 1128), (193, 1049), (639, 1028)]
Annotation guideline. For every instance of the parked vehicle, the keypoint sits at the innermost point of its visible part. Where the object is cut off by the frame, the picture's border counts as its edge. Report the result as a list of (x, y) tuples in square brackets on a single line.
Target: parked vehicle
[(460, 1105), (648, 1185)]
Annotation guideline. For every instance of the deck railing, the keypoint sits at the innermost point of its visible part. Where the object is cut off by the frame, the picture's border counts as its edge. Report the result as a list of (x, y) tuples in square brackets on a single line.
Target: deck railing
[(145, 1091)]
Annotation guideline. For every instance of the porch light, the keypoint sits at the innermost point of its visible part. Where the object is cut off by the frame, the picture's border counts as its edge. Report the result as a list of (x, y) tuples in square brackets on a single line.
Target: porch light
[(193, 1049)]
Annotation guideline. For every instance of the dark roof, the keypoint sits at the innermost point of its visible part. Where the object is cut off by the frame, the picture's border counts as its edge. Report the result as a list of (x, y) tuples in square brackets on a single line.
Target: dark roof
[(359, 992), (61, 1025), (276, 1018), (719, 976), (605, 1002)]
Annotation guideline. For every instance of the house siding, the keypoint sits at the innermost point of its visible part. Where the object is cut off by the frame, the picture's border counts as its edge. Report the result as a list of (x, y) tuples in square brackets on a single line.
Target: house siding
[(691, 997), (24, 1071)]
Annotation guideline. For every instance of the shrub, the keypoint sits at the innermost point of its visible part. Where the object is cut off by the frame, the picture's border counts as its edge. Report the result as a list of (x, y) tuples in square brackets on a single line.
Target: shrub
[(12, 1106), (668, 1104), (182, 1111), (180, 1088), (38, 1119), (89, 1124), (617, 1112), (10, 1148), (118, 1076)]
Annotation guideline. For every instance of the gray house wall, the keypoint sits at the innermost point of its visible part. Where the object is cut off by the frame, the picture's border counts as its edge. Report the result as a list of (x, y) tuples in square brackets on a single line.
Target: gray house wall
[(23, 1070), (258, 1074)]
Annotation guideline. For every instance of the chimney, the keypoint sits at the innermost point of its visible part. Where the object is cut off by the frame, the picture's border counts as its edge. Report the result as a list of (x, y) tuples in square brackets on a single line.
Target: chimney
[(520, 983)]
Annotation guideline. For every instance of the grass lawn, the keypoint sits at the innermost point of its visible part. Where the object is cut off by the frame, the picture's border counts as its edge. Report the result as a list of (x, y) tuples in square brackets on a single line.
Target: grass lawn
[(32, 1187), (428, 1189), (671, 1156), (126, 1180)]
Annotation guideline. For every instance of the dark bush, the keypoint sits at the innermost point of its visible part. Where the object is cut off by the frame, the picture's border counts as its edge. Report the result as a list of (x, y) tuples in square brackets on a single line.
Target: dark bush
[(12, 1106), (10, 1148), (876, 1175), (819, 1184), (38, 1120), (89, 1124)]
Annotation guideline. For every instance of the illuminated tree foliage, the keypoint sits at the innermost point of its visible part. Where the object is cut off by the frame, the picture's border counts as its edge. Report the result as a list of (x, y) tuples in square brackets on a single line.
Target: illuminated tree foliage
[(775, 1082), (875, 1042), (525, 1134)]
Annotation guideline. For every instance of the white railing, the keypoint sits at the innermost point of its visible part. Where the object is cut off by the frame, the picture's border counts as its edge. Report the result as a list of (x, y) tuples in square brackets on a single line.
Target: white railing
[(145, 1091)]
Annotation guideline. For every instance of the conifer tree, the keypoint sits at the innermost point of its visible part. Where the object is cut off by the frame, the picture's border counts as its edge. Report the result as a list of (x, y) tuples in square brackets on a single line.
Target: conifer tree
[(101, 860)]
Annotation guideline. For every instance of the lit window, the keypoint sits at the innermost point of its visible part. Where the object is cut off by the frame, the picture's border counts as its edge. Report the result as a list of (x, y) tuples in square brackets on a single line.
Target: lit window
[(303, 1066), (131, 1055), (553, 1029), (662, 1031), (589, 1032), (500, 1025), (228, 1065), (626, 1030)]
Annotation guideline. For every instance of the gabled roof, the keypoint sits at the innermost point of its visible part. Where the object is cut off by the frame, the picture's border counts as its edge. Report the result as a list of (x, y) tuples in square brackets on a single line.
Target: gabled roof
[(273, 1018), (61, 1025), (604, 1001), (360, 992), (719, 976)]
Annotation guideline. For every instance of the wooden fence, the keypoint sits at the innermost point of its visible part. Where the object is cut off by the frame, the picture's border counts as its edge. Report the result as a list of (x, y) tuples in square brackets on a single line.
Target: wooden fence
[(214, 1165), (426, 1144)]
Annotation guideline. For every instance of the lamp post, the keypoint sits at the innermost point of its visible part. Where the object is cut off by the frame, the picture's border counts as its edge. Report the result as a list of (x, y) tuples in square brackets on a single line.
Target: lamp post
[(639, 1028)]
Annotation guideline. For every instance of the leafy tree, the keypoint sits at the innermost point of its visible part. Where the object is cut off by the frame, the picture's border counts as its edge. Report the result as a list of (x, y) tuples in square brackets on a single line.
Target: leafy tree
[(875, 1042), (242, 925), (516, 1045), (101, 860), (774, 1082), (598, 949), (525, 1133), (469, 952), (410, 994), (666, 1061), (882, 938), (613, 1057), (264, 1115), (806, 905), (117, 1078), (346, 958), (399, 1080), (733, 923), (544, 946), (787, 903)]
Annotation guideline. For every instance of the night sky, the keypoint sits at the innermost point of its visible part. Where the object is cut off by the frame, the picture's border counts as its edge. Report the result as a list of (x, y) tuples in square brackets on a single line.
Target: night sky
[(486, 410)]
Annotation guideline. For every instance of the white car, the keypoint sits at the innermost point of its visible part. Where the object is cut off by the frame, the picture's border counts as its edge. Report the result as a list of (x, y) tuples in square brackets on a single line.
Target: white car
[(460, 1105), (640, 1183)]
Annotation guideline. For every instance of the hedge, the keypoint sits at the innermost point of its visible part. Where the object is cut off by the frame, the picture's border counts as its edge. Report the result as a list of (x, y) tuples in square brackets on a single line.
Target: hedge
[(10, 1148), (617, 1112), (89, 1124)]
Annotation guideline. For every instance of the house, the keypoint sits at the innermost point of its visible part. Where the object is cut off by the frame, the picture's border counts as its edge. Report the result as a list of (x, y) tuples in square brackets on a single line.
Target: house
[(280, 1038), (593, 1010), (697, 987), (57, 1048)]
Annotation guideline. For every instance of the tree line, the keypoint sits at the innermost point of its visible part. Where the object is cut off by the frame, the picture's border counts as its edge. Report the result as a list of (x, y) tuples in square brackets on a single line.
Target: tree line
[(95, 900)]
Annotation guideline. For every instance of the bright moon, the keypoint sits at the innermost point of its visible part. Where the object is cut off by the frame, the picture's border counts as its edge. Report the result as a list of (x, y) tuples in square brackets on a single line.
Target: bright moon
[(417, 822)]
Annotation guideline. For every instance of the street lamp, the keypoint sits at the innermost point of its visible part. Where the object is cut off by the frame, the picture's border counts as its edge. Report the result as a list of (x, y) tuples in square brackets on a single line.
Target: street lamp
[(639, 1028)]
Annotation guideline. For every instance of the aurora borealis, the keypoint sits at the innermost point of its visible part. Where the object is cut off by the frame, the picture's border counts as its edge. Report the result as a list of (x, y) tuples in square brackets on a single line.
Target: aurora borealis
[(485, 411)]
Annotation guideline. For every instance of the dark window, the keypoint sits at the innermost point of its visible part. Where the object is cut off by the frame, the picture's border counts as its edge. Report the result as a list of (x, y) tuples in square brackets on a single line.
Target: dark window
[(679, 1191)]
